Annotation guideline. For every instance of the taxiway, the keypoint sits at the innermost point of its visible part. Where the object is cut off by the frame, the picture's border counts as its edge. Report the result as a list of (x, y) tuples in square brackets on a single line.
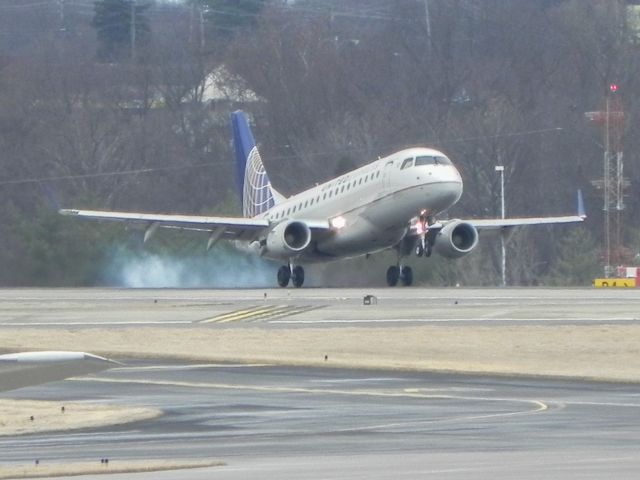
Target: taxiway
[(269, 420), (286, 423)]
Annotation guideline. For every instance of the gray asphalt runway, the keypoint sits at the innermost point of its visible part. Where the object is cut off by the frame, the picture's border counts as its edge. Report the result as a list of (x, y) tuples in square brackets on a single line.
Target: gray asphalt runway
[(316, 307), (286, 423)]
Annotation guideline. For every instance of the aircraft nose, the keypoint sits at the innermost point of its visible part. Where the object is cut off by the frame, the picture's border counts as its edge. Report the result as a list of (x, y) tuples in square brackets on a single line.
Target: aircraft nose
[(453, 192)]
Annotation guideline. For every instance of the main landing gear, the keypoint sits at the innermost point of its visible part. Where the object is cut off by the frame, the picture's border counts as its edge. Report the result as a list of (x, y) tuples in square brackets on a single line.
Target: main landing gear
[(288, 273), (400, 273)]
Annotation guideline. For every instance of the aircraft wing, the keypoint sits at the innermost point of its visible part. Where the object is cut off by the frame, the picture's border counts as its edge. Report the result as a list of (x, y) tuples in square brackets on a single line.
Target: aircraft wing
[(18, 370), (503, 223), (497, 223), (230, 228)]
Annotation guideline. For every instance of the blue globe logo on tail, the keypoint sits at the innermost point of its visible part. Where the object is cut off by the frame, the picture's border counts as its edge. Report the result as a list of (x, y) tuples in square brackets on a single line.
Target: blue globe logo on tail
[(252, 179)]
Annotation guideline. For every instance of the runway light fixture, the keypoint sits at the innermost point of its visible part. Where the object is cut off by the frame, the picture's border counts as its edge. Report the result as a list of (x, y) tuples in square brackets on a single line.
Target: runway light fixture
[(503, 269)]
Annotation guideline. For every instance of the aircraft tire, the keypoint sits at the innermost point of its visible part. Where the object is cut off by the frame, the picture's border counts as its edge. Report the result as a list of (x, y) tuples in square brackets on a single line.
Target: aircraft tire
[(407, 276), (284, 275), (297, 276), (393, 275)]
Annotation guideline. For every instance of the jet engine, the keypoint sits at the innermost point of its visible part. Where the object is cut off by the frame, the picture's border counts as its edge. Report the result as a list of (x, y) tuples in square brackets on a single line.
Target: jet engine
[(288, 238), (456, 239)]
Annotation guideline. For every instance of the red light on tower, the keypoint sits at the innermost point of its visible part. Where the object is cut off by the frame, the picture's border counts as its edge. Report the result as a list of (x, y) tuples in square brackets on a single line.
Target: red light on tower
[(613, 88)]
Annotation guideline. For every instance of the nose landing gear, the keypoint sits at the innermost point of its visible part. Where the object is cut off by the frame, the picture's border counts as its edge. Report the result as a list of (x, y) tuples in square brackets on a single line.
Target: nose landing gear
[(423, 247), (423, 250)]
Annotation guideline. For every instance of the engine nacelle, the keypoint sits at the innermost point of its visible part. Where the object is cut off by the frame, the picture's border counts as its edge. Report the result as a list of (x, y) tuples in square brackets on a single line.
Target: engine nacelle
[(288, 238), (456, 239)]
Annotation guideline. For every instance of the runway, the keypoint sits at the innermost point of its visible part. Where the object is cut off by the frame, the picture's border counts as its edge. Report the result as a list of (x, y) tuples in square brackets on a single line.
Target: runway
[(315, 307), (281, 422)]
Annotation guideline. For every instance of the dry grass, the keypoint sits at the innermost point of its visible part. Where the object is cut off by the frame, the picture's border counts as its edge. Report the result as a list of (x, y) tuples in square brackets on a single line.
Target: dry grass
[(93, 468), (15, 416), (610, 352)]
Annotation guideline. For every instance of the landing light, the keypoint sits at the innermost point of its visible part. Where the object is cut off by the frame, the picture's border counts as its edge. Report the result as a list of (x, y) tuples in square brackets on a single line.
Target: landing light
[(338, 222)]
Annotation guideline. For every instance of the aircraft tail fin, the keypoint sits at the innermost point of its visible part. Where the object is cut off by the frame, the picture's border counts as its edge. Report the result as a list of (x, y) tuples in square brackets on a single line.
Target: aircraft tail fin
[(253, 182)]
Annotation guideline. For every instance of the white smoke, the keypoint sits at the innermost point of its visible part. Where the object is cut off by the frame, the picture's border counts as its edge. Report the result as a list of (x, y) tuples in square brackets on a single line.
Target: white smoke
[(220, 268)]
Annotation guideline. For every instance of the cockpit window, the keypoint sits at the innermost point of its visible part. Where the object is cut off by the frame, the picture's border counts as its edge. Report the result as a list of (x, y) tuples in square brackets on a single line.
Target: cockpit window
[(432, 160), (407, 163)]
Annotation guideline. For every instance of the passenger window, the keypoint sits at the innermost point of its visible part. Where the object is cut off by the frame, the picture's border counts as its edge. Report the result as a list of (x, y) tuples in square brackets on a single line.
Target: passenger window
[(407, 163)]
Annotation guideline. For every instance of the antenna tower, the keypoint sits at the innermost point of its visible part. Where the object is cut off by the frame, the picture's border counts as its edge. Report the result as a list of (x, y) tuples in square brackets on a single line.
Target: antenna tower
[(613, 182)]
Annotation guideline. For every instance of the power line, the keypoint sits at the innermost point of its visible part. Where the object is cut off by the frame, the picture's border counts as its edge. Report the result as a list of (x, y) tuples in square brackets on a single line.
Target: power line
[(23, 181)]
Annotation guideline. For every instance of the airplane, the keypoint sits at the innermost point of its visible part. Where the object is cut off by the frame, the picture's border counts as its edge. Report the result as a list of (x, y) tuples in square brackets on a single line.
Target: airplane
[(390, 203), (24, 369)]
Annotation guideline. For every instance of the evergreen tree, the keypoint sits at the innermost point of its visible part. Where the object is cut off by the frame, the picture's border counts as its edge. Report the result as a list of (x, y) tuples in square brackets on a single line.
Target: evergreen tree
[(230, 15), (577, 262), (112, 21)]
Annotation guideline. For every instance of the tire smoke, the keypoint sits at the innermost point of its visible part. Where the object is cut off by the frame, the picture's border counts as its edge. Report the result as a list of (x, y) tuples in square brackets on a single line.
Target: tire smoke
[(219, 268)]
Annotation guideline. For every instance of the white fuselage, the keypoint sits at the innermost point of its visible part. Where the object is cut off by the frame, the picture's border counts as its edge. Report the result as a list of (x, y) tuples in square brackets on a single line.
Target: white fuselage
[(370, 208)]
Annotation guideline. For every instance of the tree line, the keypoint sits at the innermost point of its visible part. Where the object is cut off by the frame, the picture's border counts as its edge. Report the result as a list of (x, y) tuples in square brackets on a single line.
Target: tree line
[(122, 104)]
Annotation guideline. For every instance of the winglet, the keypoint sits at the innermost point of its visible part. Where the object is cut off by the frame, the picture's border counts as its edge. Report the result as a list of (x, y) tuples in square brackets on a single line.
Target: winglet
[(253, 181), (581, 211)]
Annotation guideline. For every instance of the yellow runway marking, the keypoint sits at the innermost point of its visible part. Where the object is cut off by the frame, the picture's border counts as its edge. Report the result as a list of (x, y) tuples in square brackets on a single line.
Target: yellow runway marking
[(294, 311), (238, 314), (254, 314)]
